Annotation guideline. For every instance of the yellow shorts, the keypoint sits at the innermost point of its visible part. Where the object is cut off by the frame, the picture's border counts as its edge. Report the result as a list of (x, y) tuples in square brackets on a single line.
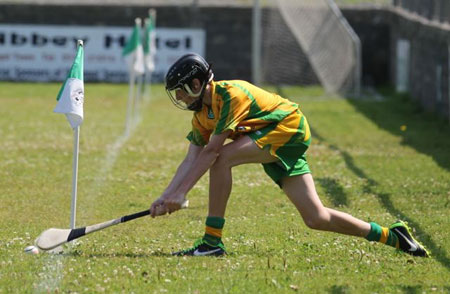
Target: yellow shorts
[(287, 140)]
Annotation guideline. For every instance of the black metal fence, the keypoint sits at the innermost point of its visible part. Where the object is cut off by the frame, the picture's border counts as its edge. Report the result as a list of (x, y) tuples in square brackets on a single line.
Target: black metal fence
[(435, 10)]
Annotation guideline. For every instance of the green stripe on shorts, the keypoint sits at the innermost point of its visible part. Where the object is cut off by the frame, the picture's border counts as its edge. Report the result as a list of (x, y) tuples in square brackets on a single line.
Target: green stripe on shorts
[(277, 171)]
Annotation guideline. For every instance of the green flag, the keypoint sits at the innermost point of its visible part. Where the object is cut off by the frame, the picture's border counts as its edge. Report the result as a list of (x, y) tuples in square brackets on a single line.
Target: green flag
[(71, 96), (134, 52), (150, 44)]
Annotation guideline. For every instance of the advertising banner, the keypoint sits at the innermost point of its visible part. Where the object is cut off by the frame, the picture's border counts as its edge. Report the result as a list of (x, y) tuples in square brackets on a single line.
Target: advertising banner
[(44, 53)]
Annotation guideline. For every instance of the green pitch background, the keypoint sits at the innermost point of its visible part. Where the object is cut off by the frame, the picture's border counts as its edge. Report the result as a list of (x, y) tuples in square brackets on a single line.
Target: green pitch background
[(363, 160)]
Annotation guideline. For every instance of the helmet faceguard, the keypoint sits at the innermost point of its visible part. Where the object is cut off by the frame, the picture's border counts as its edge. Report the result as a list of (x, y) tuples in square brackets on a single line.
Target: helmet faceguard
[(180, 76)]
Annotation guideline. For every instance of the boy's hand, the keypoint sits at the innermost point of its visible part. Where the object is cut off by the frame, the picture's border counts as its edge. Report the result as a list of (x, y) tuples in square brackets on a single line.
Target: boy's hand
[(158, 208), (167, 204)]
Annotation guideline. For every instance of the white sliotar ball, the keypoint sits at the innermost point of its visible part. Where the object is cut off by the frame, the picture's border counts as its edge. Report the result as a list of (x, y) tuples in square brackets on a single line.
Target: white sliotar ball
[(32, 250)]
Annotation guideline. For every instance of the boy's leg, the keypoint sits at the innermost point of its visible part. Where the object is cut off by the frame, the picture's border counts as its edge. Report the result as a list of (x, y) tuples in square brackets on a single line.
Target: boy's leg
[(241, 151), (302, 192)]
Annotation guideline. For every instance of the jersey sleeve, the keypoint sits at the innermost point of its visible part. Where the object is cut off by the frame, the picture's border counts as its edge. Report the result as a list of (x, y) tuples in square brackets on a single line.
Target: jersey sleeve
[(235, 108), (199, 135)]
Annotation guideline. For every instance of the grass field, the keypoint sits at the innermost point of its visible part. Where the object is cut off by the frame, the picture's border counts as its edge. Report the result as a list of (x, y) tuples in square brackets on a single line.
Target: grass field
[(363, 162)]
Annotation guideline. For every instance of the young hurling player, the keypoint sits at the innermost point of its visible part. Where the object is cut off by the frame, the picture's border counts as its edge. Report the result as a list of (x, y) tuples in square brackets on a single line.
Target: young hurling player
[(265, 128)]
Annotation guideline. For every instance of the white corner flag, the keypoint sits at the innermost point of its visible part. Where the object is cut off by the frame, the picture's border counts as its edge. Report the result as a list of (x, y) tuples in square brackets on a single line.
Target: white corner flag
[(70, 102), (134, 52), (150, 43), (134, 56), (71, 96)]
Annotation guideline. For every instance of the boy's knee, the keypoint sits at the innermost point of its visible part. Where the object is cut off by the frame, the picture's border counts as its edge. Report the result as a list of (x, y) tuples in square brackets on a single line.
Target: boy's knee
[(313, 223), (221, 162), (224, 159), (319, 221)]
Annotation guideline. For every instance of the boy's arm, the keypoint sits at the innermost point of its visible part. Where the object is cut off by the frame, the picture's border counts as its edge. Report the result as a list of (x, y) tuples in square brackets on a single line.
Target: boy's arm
[(182, 170), (203, 162), (172, 198)]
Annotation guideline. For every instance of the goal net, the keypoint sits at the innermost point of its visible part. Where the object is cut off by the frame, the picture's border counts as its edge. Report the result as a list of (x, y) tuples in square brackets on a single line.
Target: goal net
[(309, 42)]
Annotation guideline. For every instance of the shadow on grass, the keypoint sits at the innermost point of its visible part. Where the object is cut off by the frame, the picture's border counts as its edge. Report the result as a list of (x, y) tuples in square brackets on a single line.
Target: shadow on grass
[(402, 117), (129, 255), (339, 290), (404, 289), (385, 199), (412, 289), (114, 254), (334, 190)]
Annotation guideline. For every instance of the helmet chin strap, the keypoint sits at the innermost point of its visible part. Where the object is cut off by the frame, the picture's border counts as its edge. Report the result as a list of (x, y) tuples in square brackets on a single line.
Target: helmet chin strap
[(198, 104), (189, 91)]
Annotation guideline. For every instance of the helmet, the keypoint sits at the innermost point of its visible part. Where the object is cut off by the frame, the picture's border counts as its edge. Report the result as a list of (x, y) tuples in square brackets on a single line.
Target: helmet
[(180, 76)]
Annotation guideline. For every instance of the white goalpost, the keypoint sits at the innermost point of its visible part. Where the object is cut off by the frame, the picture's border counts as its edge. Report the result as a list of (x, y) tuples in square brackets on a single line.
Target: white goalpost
[(306, 42)]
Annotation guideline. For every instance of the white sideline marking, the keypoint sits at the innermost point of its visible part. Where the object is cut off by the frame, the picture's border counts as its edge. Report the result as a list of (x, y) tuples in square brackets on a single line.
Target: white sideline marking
[(52, 272), (113, 151), (51, 275)]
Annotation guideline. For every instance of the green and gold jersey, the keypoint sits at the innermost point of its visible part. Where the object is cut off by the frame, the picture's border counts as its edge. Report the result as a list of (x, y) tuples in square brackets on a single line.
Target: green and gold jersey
[(240, 107)]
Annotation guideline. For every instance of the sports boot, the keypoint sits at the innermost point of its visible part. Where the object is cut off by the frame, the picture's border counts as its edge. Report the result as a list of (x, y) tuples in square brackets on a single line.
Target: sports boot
[(406, 241), (202, 248)]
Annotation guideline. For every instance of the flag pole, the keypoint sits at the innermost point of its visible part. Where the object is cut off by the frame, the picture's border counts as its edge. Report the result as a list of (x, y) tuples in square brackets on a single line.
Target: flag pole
[(148, 73), (139, 89), (137, 102), (144, 86), (130, 103), (73, 207), (76, 145)]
